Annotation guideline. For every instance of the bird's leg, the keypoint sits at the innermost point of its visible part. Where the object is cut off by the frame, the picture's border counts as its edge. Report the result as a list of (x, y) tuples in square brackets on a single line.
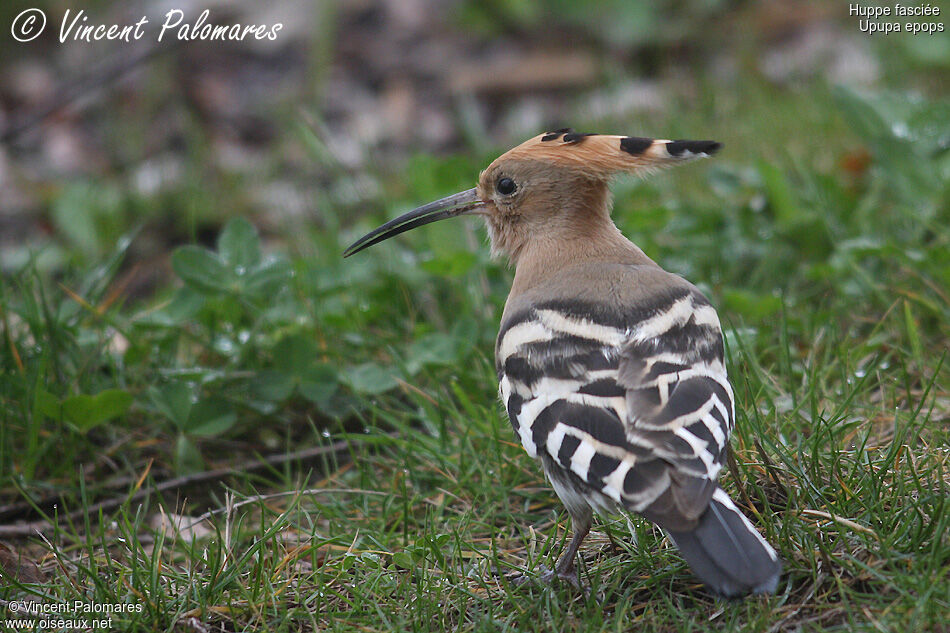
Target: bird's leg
[(565, 569)]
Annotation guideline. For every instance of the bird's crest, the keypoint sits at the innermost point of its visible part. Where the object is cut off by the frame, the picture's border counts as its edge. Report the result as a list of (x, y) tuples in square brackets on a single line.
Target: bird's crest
[(554, 182), (602, 156)]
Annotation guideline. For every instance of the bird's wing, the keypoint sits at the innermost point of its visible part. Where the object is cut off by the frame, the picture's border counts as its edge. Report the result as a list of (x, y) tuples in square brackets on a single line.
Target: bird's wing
[(633, 402)]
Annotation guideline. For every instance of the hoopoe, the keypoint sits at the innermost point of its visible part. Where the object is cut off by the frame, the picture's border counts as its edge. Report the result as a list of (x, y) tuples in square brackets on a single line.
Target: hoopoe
[(611, 369)]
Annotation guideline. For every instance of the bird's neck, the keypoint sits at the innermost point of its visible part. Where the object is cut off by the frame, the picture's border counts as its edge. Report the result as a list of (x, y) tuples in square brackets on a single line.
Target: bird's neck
[(545, 256)]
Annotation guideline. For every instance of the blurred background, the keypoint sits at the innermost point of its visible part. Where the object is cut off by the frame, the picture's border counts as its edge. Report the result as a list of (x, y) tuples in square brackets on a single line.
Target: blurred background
[(115, 154), (328, 122), (173, 298)]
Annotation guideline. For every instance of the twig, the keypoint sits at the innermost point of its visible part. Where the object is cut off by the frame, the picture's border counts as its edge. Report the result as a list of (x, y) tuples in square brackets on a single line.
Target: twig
[(26, 529), (117, 66), (846, 522), (230, 506), (19, 507)]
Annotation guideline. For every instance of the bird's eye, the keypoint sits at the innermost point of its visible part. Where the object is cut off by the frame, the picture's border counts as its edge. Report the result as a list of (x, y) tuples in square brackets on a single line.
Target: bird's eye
[(506, 186)]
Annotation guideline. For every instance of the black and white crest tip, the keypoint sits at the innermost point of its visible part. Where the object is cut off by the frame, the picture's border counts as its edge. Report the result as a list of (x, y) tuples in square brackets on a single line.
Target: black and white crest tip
[(636, 145)]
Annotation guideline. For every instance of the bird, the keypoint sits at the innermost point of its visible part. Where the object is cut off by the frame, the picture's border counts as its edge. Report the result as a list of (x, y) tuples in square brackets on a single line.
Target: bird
[(611, 369)]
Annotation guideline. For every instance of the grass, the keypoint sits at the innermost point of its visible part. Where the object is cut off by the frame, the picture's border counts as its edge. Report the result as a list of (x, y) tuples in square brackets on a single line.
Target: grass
[(829, 264)]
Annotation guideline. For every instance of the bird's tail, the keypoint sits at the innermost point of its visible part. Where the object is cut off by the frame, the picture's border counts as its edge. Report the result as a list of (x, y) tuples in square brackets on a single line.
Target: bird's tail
[(727, 553)]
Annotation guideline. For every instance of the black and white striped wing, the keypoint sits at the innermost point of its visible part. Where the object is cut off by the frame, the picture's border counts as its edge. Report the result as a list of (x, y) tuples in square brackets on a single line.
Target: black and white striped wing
[(632, 403)]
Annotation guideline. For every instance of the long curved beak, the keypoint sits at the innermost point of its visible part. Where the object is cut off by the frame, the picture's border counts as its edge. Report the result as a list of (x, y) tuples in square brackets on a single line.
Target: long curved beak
[(448, 207)]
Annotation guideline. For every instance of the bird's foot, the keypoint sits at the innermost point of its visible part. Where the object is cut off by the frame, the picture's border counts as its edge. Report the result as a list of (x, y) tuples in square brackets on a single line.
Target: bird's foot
[(518, 579), (569, 576), (547, 576)]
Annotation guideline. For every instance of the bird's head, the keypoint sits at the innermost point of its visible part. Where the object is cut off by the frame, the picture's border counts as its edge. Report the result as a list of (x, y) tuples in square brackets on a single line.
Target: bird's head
[(549, 189)]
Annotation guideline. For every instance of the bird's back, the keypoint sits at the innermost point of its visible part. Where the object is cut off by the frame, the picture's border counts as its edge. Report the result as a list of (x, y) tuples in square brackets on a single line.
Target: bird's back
[(614, 374)]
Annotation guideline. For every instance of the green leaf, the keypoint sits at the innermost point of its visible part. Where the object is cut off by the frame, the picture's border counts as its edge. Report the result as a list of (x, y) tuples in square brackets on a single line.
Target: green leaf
[(435, 546), (780, 195), (370, 378), (905, 134), (86, 412), (294, 353), (47, 404), (273, 386), (210, 417), (431, 349), (239, 245), (318, 392), (403, 560), (296, 366), (268, 276), (318, 383), (174, 402), (187, 457), (183, 306), (201, 269)]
